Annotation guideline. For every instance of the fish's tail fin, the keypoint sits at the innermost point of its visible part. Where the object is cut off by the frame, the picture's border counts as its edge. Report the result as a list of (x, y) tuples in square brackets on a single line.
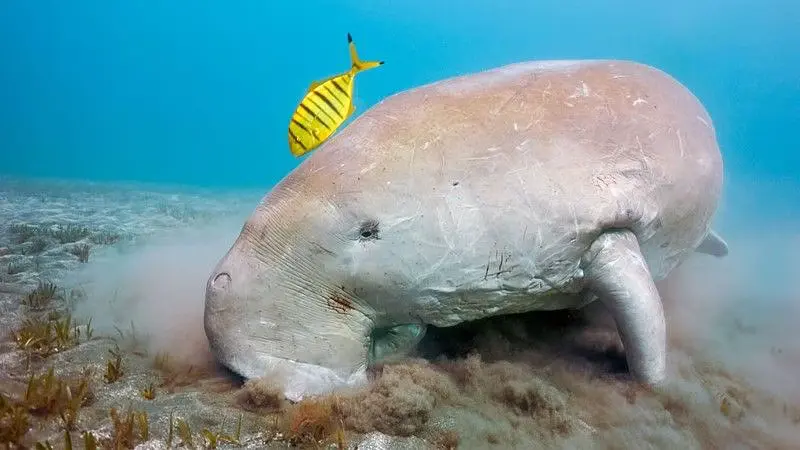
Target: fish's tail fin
[(357, 64)]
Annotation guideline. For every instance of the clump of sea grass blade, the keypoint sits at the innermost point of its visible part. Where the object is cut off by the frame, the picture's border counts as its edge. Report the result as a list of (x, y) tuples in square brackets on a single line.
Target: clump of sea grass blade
[(114, 369), (38, 245), (22, 232), (44, 337), (211, 438), (14, 422), (214, 438), (104, 238), (41, 296), (149, 392), (70, 233), (81, 251), (48, 394), (15, 267), (130, 429)]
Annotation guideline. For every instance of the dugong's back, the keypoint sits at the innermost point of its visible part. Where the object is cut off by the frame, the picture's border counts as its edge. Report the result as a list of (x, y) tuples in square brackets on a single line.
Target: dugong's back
[(566, 148)]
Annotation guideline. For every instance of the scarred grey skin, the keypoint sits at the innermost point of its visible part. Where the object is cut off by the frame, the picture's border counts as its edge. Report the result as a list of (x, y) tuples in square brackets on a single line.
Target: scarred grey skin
[(534, 186)]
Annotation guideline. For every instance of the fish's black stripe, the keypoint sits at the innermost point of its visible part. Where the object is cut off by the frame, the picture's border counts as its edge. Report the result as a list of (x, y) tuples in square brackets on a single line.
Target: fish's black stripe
[(329, 103), (304, 117), (296, 139), (311, 99), (308, 110), (302, 127), (334, 95), (340, 88)]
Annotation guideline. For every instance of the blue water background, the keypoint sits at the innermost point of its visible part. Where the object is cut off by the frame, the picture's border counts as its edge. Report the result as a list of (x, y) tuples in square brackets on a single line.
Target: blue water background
[(200, 92)]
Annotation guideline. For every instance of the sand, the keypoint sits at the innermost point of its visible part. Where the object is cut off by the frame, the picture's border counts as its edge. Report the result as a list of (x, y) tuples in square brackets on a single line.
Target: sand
[(544, 380)]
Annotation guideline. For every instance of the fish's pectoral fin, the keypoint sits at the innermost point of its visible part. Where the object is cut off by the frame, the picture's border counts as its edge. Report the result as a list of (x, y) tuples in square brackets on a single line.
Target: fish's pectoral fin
[(713, 245), (314, 85), (393, 343), (616, 272), (351, 110)]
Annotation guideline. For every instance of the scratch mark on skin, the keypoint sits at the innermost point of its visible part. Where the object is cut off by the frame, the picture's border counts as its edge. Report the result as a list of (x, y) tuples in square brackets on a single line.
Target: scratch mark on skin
[(522, 144), (644, 157), (703, 121), (639, 101), (413, 155), (680, 142), (368, 168), (441, 166), (515, 94), (582, 91)]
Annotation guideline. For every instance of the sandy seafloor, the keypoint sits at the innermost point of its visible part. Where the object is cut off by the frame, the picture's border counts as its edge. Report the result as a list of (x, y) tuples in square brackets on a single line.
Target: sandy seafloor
[(553, 380)]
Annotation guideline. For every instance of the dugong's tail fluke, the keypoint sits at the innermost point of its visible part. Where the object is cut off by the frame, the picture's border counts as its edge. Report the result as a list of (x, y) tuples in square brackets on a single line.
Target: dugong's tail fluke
[(713, 245), (617, 274)]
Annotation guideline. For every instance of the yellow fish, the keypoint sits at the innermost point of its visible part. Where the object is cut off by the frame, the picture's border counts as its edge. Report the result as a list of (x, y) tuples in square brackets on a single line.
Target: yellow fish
[(326, 106)]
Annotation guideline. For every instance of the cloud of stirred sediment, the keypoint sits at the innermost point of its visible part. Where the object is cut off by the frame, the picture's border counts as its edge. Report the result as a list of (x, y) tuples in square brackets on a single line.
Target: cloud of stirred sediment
[(159, 286), (536, 380)]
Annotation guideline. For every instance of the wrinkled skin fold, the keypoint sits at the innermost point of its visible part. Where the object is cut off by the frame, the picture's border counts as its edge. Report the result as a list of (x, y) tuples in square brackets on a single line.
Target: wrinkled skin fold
[(535, 186)]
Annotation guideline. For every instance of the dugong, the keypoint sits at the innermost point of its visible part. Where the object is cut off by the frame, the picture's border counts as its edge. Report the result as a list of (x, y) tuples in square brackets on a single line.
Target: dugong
[(534, 186)]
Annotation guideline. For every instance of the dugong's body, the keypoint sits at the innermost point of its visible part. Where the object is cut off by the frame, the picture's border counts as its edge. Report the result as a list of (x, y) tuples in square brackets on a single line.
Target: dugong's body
[(541, 185)]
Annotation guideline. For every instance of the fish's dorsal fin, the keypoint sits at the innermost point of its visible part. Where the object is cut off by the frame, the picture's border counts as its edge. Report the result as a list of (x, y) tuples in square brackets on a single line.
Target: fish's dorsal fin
[(713, 245)]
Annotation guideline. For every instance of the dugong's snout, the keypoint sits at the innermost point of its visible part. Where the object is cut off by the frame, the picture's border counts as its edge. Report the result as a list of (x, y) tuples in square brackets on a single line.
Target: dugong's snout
[(259, 323)]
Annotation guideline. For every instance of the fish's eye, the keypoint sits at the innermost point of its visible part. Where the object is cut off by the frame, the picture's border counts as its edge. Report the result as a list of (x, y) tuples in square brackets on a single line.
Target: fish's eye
[(368, 230)]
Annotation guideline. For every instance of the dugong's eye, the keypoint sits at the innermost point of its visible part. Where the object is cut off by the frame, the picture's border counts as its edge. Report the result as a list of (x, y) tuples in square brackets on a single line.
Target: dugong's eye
[(368, 230)]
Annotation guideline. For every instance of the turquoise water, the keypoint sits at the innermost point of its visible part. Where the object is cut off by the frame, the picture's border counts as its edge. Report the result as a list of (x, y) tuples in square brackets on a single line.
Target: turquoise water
[(200, 92)]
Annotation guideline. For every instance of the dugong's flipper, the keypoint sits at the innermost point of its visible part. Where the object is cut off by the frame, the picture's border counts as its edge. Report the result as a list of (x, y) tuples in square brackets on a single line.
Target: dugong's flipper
[(617, 274), (713, 245)]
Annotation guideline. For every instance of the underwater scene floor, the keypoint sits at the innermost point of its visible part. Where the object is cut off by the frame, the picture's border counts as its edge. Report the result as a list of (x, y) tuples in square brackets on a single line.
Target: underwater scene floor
[(102, 346)]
